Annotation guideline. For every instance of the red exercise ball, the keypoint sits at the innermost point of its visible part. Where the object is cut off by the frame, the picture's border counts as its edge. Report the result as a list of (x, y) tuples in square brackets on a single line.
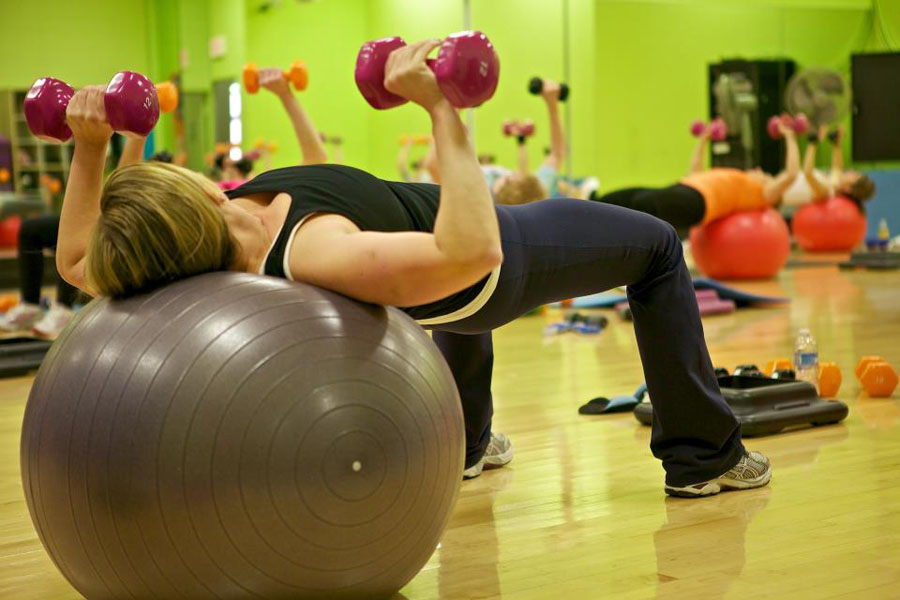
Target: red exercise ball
[(9, 231), (836, 225), (746, 245)]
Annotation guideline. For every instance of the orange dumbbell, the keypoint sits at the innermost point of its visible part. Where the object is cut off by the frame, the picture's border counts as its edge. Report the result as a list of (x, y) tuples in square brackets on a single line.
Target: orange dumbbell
[(829, 379), (777, 365), (863, 363), (167, 93), (297, 75), (4, 175), (877, 377)]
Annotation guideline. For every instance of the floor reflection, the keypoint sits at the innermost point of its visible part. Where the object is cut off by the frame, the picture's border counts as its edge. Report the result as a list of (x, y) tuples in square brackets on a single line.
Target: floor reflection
[(469, 550), (709, 557)]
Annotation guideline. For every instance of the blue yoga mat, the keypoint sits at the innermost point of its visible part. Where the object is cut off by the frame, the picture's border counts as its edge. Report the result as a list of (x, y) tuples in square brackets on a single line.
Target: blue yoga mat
[(726, 292)]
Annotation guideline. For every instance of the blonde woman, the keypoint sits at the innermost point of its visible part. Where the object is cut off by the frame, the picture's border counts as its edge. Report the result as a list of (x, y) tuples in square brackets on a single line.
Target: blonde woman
[(446, 255)]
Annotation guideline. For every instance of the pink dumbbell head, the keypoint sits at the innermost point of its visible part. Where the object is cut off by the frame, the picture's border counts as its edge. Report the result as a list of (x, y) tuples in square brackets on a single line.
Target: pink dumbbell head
[(131, 103), (718, 131), (467, 70), (800, 124), (697, 128), (772, 127), (369, 73), (45, 109)]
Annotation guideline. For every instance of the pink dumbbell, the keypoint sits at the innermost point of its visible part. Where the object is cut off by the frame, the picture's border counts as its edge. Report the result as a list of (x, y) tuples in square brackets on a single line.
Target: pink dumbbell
[(467, 70), (799, 123), (518, 128), (718, 131), (130, 100)]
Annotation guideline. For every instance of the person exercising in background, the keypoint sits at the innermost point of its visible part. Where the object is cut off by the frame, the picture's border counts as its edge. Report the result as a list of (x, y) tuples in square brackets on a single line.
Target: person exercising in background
[(705, 195), (521, 186), (38, 234), (818, 186), (414, 171), (235, 173)]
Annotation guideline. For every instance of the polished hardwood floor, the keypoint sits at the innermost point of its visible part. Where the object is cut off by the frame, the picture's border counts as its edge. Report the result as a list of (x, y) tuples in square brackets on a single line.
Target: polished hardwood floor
[(580, 512)]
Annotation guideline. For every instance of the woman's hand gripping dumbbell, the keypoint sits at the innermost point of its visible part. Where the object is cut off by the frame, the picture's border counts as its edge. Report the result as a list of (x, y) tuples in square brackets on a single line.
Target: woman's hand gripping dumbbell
[(467, 70), (274, 79), (131, 106)]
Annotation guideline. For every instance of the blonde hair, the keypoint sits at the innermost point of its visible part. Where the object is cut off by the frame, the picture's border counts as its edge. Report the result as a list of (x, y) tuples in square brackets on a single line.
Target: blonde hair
[(520, 188), (158, 223)]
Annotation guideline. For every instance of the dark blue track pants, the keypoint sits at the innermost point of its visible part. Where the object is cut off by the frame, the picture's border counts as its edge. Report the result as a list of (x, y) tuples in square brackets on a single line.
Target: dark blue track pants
[(561, 248)]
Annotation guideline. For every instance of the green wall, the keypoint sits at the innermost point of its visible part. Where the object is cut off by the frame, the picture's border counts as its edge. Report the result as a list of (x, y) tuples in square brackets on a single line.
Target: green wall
[(652, 57), (82, 42), (637, 69)]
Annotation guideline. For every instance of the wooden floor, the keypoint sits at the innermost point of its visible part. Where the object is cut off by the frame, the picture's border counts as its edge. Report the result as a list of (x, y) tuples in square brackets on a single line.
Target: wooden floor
[(580, 513)]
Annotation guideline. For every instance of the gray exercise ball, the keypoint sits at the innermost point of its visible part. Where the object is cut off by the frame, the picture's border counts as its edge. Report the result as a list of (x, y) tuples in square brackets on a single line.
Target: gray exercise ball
[(240, 436)]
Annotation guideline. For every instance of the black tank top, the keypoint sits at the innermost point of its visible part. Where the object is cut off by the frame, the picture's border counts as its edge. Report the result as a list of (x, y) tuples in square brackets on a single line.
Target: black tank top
[(372, 204)]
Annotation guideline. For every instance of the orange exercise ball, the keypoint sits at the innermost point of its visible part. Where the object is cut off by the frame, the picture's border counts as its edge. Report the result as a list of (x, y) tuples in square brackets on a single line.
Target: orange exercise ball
[(746, 245), (835, 225), (9, 231)]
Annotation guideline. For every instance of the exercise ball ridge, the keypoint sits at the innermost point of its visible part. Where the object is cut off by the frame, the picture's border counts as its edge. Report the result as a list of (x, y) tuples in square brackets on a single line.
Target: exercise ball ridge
[(234, 435)]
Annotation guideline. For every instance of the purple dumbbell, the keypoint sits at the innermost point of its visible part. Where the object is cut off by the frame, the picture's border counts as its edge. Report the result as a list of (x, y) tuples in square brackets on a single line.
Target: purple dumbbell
[(467, 70), (131, 103)]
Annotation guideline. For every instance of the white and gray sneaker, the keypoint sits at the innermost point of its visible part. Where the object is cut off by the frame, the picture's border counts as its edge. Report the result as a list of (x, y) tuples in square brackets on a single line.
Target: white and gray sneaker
[(21, 317), (498, 453), (752, 471), (53, 322)]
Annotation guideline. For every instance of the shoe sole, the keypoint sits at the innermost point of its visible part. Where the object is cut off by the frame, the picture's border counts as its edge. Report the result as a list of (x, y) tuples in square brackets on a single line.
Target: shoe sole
[(711, 488), (499, 460)]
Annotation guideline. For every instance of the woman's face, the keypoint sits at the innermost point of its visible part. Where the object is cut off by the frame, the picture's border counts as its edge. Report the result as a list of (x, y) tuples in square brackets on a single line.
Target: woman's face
[(848, 178), (760, 175)]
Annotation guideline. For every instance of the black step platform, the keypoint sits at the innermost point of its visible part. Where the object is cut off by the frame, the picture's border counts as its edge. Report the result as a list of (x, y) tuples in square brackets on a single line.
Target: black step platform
[(872, 260), (766, 406), (20, 355)]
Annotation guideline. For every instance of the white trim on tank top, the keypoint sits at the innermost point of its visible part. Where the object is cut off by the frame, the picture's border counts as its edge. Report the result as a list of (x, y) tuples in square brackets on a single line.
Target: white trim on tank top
[(457, 315)]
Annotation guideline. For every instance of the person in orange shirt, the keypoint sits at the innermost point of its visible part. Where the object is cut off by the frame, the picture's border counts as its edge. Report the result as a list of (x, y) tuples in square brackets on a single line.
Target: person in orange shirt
[(705, 195)]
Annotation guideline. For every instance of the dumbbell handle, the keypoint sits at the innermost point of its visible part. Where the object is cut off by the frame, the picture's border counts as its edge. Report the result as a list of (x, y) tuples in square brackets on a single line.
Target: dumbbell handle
[(536, 86)]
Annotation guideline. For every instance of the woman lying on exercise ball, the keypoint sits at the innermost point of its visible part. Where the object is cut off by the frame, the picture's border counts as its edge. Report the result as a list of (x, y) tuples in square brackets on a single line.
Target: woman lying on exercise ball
[(818, 186), (446, 255), (705, 195)]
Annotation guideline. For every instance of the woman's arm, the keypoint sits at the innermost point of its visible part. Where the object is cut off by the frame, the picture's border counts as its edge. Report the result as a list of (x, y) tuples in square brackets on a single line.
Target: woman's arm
[(776, 188), (133, 151), (557, 155), (819, 191), (522, 151), (403, 159), (699, 153), (409, 268), (837, 157), (310, 142), (86, 116)]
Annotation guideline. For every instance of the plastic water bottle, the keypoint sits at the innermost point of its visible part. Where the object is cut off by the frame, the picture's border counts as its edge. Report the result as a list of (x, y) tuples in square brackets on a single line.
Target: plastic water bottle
[(806, 358)]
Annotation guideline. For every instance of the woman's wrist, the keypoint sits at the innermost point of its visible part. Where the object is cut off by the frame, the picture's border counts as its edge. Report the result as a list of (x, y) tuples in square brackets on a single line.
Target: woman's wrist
[(441, 109)]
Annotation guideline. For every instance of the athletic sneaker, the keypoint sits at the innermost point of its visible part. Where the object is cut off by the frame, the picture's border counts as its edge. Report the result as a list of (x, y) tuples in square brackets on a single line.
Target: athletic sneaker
[(588, 187), (753, 470), (53, 322), (21, 317), (499, 452)]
